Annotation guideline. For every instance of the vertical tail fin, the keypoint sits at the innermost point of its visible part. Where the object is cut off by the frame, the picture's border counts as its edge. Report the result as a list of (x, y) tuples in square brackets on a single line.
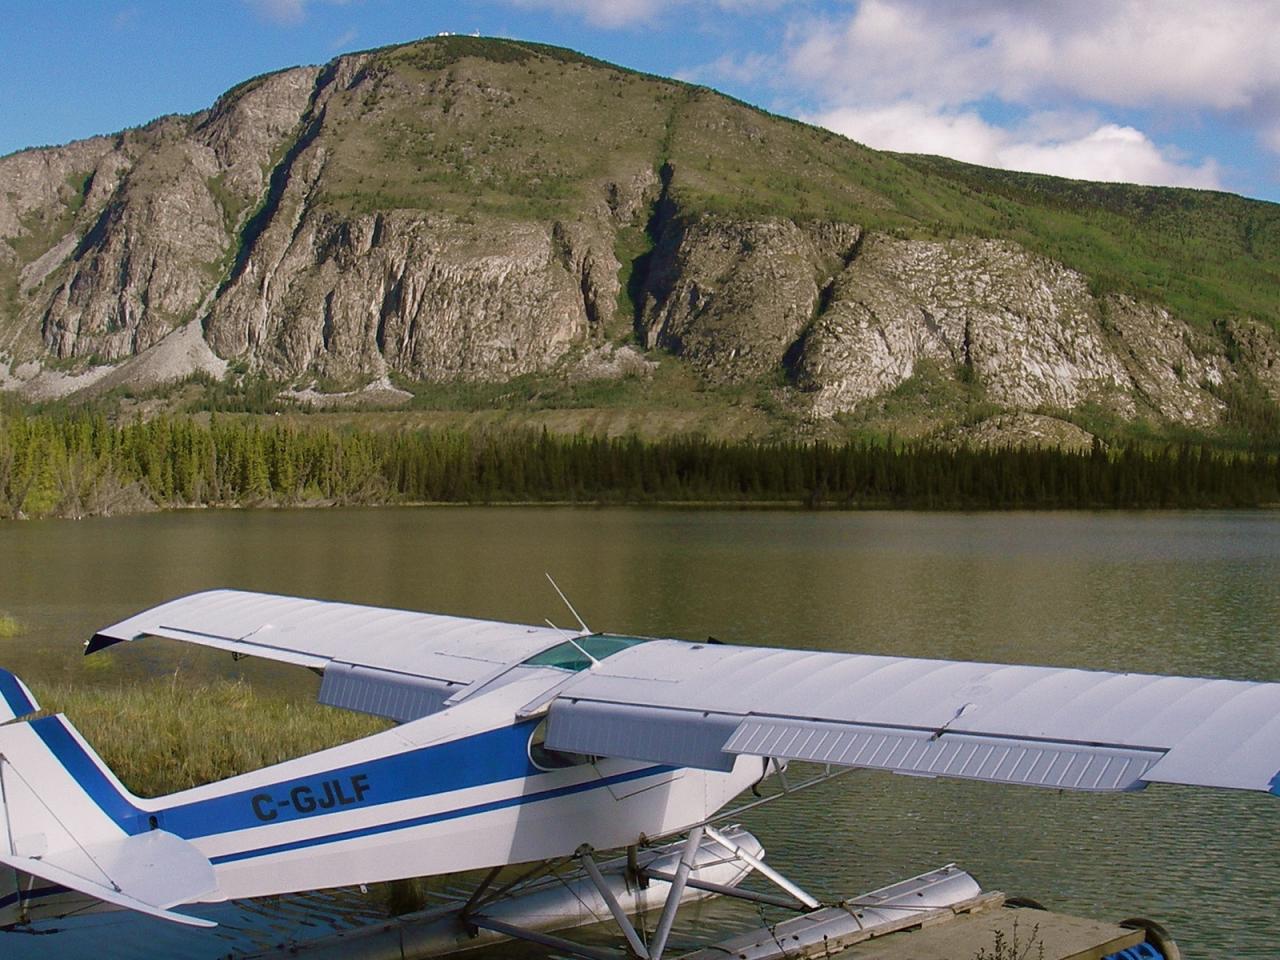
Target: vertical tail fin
[(67, 826), (15, 699)]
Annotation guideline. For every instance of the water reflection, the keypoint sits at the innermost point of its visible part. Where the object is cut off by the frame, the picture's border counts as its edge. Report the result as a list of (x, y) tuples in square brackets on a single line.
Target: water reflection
[(1184, 593)]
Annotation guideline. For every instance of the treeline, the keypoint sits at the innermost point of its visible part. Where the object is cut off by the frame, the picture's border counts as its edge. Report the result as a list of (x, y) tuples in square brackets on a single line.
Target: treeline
[(83, 465)]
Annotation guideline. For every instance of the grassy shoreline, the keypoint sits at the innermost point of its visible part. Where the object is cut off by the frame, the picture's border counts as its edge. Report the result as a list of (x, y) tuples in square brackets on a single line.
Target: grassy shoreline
[(196, 732)]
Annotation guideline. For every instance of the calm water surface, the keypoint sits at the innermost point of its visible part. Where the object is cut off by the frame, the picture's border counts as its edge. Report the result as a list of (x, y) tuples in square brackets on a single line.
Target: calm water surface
[(1179, 593)]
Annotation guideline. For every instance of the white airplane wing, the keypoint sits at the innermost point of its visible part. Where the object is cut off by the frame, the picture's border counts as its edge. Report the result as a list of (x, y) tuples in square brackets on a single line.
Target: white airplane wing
[(393, 663), (704, 705)]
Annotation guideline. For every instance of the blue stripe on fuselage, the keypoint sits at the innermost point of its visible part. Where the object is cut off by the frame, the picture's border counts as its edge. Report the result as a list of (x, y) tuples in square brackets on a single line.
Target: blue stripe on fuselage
[(14, 696), (492, 757), (443, 815)]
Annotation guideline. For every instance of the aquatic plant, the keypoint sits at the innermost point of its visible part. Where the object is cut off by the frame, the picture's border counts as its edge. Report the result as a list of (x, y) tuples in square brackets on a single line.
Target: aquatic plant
[(1012, 947)]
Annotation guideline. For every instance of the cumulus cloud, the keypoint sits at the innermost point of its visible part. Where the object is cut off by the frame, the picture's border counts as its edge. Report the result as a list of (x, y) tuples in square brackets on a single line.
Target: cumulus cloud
[(913, 75), (1122, 52), (1108, 151), (1112, 153)]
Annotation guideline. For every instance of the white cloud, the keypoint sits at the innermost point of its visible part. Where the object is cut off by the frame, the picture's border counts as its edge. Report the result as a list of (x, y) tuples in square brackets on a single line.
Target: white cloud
[(1271, 136), (912, 128), (731, 69), (1110, 153), (345, 39), (286, 12), (280, 11), (602, 13), (1107, 152), (1121, 52), (911, 75)]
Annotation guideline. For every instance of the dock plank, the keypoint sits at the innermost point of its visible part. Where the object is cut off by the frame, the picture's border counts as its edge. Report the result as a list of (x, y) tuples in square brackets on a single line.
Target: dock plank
[(963, 938), (959, 932)]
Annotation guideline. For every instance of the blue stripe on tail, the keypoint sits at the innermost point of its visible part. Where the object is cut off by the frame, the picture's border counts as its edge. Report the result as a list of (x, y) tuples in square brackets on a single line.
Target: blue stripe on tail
[(1275, 785), (14, 696)]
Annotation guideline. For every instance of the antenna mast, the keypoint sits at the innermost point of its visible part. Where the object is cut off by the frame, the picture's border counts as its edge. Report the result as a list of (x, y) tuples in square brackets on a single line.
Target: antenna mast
[(582, 623)]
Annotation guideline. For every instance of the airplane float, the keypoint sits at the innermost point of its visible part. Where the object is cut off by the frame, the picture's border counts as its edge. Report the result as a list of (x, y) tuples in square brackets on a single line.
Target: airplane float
[(521, 744)]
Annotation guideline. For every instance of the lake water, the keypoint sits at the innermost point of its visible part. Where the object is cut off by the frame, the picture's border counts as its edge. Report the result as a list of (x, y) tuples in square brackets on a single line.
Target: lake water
[(1195, 593)]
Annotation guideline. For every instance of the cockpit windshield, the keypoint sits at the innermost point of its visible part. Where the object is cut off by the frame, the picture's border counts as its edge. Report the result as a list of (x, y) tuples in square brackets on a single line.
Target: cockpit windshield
[(569, 655)]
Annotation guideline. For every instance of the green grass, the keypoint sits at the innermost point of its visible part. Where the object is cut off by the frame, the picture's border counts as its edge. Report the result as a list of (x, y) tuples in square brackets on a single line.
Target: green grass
[(932, 398), (10, 627), (197, 733)]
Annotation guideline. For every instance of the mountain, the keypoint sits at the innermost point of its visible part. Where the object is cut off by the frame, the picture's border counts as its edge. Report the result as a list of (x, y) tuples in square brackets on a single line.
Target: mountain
[(461, 221)]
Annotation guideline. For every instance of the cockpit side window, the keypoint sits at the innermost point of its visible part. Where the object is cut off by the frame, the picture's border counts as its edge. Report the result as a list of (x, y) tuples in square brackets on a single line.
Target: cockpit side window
[(570, 654), (547, 759)]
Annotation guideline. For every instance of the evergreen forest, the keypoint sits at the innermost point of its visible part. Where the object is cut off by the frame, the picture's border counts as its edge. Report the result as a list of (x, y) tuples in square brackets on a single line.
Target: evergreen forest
[(81, 464)]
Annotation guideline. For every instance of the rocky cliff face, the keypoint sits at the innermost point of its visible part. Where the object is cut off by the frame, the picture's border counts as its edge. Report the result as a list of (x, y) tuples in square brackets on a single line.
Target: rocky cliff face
[(733, 296), (1027, 328), (448, 211), (149, 218)]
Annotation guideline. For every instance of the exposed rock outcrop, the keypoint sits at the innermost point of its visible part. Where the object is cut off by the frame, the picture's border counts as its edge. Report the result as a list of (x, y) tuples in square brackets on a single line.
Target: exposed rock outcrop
[(1020, 430), (149, 219), (1026, 328), (733, 295), (467, 209), (432, 298)]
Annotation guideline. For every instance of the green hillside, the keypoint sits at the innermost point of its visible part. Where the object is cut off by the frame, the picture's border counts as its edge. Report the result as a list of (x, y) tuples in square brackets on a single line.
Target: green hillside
[(577, 121), (588, 184)]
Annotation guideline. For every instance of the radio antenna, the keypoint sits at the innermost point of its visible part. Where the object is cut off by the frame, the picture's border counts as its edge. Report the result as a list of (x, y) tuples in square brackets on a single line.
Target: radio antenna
[(582, 623), (568, 638)]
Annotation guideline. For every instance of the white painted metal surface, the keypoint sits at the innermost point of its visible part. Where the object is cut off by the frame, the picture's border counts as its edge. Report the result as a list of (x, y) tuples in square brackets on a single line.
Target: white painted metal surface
[(450, 792), (811, 934), (1217, 733), (313, 633)]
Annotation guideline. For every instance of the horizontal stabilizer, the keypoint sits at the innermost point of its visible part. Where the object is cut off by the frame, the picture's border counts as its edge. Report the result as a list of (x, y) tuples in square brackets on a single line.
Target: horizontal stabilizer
[(15, 699), (65, 819), (149, 873)]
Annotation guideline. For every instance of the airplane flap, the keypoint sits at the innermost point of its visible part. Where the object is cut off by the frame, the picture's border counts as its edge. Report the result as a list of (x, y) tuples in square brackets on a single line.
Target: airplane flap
[(149, 873)]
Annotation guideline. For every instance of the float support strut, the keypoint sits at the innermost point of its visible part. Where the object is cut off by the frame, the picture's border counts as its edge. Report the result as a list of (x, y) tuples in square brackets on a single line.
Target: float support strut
[(761, 867), (676, 892), (543, 939), (619, 915)]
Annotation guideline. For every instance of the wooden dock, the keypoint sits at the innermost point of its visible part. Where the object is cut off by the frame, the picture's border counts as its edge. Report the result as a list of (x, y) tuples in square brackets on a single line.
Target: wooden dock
[(960, 932)]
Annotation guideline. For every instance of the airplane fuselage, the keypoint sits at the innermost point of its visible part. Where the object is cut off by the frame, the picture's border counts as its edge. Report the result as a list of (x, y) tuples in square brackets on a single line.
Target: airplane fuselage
[(457, 790)]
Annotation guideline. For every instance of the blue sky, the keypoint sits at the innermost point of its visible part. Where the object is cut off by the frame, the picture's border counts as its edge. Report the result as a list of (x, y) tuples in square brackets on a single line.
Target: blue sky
[(1153, 91)]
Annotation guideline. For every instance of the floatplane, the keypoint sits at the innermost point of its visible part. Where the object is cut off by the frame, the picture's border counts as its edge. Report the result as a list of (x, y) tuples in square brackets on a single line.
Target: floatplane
[(535, 745)]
